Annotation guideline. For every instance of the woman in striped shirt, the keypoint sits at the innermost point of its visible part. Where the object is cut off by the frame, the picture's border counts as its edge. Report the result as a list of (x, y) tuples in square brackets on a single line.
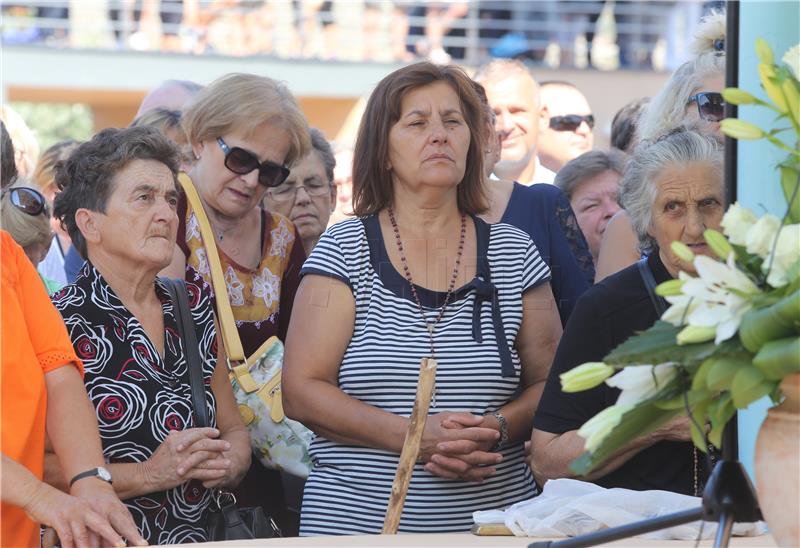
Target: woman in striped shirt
[(417, 274)]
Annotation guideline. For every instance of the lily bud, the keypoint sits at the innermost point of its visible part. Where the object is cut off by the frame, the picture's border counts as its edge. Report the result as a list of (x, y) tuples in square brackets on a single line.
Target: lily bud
[(739, 129), (792, 95), (772, 87), (682, 251), (670, 288), (736, 96), (693, 334), (595, 430), (718, 243), (764, 52), (585, 376)]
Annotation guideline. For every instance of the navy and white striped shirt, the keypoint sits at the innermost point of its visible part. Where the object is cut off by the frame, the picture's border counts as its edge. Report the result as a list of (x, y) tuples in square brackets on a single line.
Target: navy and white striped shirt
[(349, 487)]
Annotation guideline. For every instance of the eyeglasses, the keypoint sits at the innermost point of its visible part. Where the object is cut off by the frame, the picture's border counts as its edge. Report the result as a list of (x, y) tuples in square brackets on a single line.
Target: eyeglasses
[(26, 200), (287, 193), (243, 162), (571, 122), (710, 106)]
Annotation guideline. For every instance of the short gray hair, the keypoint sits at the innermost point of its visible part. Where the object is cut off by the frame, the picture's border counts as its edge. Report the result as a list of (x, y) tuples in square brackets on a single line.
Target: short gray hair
[(588, 165), (321, 146), (501, 69), (649, 160), (667, 110)]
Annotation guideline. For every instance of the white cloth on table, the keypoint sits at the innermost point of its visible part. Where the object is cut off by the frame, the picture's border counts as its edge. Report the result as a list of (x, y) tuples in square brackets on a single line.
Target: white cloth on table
[(568, 507)]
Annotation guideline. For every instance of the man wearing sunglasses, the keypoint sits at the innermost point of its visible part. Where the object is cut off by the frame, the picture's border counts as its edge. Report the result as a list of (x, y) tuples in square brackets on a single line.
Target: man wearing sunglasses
[(514, 97), (566, 125)]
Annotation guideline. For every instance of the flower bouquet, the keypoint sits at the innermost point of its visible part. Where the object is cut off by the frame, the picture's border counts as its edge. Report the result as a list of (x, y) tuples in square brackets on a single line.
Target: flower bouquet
[(731, 333)]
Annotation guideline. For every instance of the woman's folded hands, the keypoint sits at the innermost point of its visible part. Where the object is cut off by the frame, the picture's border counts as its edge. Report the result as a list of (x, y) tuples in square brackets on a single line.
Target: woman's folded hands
[(194, 453), (457, 445)]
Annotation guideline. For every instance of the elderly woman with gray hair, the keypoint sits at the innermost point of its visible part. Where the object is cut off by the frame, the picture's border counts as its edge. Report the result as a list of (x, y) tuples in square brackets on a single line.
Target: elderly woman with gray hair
[(673, 191), (691, 97), (311, 209)]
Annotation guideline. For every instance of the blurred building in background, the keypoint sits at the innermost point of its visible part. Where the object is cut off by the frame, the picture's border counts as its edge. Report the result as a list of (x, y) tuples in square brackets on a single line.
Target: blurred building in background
[(107, 53)]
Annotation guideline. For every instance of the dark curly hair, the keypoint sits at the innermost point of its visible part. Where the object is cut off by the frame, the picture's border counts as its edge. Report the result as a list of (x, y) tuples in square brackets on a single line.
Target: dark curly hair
[(86, 177)]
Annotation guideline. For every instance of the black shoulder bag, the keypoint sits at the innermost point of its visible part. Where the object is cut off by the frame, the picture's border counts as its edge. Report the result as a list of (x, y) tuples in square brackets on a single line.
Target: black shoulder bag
[(224, 520), (650, 284)]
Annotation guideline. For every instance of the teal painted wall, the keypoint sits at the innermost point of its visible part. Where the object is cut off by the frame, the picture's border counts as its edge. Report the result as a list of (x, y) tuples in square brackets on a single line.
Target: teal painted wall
[(778, 22)]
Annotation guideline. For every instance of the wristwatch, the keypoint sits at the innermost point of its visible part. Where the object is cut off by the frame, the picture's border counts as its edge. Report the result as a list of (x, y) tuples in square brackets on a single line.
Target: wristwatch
[(503, 430), (98, 472)]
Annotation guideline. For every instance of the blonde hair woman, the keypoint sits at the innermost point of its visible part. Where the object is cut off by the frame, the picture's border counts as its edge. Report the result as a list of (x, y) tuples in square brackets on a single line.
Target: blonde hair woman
[(26, 217), (691, 97), (169, 122), (244, 130)]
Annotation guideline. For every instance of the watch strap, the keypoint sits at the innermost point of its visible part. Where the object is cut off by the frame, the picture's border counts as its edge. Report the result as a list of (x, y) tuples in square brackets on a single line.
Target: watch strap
[(94, 472), (503, 430)]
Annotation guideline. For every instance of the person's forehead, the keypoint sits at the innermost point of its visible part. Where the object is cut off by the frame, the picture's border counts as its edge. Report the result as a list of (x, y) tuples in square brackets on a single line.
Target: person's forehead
[(144, 171), (310, 165), (437, 94), (564, 100), (693, 180), (514, 89)]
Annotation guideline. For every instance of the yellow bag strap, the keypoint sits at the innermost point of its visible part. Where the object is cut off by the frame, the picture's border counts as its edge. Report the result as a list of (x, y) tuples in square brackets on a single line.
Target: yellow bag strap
[(230, 335)]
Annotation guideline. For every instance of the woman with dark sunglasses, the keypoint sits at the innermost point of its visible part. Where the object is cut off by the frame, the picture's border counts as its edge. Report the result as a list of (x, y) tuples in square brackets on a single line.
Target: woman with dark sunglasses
[(27, 219), (691, 97), (244, 130)]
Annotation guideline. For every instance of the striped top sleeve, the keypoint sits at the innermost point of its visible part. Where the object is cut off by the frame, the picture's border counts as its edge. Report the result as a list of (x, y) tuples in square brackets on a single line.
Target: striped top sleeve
[(328, 256)]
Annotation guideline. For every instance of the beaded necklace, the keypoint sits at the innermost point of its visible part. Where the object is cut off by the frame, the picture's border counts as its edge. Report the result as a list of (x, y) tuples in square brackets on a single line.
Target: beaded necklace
[(429, 325)]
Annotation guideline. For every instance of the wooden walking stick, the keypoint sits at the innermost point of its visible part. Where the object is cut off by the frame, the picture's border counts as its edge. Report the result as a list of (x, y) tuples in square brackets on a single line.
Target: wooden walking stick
[(410, 452)]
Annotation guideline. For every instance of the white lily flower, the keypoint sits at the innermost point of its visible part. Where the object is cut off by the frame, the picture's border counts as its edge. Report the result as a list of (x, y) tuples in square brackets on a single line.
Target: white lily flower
[(787, 253), (682, 306), (719, 296), (737, 222), (762, 234), (792, 58), (595, 430), (708, 301), (640, 382)]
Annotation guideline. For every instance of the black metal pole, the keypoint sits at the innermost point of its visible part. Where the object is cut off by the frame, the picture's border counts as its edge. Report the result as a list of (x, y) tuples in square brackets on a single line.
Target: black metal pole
[(731, 81), (624, 531)]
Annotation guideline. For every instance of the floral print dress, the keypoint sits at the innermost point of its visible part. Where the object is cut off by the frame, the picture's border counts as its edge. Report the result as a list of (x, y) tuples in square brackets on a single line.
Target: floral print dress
[(139, 395)]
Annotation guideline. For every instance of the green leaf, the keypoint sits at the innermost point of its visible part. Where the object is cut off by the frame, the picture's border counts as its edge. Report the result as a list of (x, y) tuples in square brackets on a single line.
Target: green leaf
[(720, 412), (700, 380), (778, 359), (748, 385), (679, 401), (724, 368), (699, 419), (790, 179), (658, 345), (774, 322), (638, 421)]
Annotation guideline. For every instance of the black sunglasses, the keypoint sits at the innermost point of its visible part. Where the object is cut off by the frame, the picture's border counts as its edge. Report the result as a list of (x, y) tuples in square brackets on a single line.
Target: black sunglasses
[(710, 105), (243, 162), (571, 122), (27, 200)]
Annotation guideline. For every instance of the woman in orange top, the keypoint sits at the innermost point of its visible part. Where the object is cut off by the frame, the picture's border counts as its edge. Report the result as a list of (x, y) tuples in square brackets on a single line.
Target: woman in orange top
[(40, 389)]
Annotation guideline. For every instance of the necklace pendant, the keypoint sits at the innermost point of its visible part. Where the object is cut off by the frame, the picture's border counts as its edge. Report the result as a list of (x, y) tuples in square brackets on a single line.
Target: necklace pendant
[(430, 327)]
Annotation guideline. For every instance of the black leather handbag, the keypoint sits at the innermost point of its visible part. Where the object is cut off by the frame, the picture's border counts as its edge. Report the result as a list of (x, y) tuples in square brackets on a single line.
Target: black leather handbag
[(224, 521)]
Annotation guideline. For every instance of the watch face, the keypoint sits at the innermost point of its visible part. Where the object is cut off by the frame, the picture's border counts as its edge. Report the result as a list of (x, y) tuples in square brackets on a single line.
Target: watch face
[(103, 474)]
